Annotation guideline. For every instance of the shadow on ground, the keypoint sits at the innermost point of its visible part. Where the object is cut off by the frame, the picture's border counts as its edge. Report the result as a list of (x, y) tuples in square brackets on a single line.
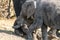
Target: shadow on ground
[(9, 32)]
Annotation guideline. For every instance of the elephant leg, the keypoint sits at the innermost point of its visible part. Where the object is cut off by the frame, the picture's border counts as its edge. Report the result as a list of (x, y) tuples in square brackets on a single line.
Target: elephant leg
[(44, 32)]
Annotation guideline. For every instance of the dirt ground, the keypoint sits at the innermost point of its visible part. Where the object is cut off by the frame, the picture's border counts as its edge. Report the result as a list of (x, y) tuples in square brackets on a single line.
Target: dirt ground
[(6, 30)]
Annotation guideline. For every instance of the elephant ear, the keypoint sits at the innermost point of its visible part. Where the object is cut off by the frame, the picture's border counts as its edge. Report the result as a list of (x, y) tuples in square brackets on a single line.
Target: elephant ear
[(30, 9)]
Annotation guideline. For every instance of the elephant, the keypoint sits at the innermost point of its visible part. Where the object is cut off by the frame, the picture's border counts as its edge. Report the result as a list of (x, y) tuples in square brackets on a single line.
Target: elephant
[(28, 15), (45, 14), (24, 18), (48, 16)]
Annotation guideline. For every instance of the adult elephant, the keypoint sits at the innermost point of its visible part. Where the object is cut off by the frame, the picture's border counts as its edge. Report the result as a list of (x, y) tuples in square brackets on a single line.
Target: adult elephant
[(17, 7)]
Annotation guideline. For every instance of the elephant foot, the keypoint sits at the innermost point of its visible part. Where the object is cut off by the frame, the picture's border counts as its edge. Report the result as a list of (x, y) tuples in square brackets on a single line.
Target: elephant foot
[(18, 33)]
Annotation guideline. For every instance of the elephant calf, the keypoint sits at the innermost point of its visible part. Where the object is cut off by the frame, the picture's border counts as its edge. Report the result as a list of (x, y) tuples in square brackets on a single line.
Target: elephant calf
[(40, 17), (25, 15)]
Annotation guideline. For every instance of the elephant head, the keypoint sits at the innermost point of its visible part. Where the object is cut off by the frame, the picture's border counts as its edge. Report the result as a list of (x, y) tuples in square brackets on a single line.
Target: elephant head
[(28, 9)]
